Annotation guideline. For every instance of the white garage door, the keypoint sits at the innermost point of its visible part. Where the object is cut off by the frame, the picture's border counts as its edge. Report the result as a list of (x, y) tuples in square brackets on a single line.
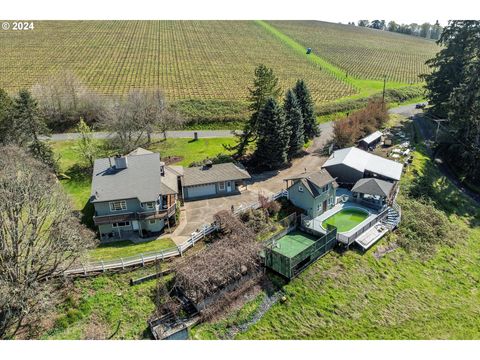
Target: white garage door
[(201, 190)]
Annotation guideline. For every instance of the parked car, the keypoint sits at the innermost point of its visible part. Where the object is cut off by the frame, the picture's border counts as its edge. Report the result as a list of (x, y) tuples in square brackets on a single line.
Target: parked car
[(420, 106)]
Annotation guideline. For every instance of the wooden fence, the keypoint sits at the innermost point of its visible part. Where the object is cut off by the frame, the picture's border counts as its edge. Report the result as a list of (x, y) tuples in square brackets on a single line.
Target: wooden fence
[(153, 256)]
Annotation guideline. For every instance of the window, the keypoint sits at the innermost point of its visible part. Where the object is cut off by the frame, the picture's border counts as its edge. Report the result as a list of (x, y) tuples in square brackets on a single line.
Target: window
[(152, 221), (149, 205), (318, 207), (121, 224), (325, 188), (300, 188), (331, 201), (118, 205), (221, 186)]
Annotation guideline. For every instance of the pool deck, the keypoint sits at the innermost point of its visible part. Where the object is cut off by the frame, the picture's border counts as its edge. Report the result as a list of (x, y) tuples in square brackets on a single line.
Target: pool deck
[(316, 224), (371, 236)]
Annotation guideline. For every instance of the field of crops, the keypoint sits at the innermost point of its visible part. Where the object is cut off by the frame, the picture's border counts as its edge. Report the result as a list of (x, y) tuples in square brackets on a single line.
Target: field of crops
[(361, 52), (187, 59)]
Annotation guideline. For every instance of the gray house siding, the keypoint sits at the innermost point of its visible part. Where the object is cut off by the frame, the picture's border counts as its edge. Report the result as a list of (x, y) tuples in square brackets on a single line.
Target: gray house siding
[(305, 200), (218, 190), (103, 208), (344, 174)]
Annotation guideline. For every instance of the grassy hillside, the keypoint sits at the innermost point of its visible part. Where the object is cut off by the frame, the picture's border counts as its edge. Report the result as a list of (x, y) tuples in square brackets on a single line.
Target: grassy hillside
[(188, 59), (361, 52)]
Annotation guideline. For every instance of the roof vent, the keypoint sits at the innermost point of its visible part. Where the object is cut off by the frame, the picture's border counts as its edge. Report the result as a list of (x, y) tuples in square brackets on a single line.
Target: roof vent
[(121, 162)]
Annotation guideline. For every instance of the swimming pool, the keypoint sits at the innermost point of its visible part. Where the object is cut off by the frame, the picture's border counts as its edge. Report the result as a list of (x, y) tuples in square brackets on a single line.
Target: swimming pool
[(346, 219)]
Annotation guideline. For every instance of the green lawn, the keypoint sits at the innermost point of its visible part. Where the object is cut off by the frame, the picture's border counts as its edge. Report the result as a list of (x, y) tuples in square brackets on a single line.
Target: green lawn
[(126, 248), (78, 186)]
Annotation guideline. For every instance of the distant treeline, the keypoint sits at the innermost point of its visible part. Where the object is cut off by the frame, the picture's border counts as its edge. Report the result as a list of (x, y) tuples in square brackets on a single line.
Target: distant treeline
[(425, 30)]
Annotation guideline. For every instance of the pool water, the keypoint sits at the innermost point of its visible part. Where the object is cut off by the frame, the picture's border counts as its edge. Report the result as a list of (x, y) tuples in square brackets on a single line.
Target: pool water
[(346, 219)]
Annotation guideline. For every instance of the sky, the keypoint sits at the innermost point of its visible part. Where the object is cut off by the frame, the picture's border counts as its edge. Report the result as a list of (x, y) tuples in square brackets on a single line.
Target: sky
[(402, 11)]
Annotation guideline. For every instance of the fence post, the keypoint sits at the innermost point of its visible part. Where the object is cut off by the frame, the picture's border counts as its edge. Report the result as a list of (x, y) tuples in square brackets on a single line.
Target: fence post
[(84, 270), (103, 266), (123, 265), (162, 255), (143, 260)]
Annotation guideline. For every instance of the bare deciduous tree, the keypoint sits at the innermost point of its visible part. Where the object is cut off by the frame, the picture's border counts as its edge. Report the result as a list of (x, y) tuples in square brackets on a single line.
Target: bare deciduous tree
[(63, 100), (134, 119), (39, 237)]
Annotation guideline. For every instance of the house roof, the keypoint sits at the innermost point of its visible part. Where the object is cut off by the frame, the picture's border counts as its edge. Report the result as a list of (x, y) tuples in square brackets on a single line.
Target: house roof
[(200, 175), (365, 161), (373, 187), (312, 181), (372, 137), (141, 179), (139, 151)]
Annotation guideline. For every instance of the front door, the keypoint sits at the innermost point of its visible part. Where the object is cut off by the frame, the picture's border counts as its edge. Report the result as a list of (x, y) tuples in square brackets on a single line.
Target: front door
[(325, 206), (229, 186)]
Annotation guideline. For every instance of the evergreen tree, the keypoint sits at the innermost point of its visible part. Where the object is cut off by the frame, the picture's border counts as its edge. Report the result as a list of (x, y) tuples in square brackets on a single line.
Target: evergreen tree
[(453, 90), (27, 127), (294, 119), (305, 102), (6, 105), (265, 86), (458, 40), (273, 136)]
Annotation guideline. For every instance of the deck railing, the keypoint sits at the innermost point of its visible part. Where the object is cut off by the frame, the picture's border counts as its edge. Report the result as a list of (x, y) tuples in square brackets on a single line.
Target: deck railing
[(152, 256), (349, 239)]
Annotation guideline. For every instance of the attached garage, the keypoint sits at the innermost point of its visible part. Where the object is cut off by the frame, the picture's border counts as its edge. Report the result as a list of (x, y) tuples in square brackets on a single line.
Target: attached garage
[(201, 191)]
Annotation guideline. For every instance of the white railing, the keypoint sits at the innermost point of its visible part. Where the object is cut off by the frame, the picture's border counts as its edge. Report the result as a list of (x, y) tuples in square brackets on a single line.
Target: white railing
[(152, 256)]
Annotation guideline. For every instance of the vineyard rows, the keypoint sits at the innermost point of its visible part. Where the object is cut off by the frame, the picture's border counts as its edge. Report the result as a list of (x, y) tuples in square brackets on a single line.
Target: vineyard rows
[(361, 52), (187, 59)]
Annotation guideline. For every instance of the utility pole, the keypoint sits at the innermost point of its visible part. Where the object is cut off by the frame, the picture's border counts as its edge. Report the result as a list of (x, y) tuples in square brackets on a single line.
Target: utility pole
[(384, 86)]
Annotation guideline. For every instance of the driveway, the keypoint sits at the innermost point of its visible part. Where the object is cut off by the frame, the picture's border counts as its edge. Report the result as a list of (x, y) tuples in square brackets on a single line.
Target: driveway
[(200, 212)]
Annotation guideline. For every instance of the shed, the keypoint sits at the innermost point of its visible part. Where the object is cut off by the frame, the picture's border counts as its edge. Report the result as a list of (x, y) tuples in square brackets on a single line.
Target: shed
[(370, 141)]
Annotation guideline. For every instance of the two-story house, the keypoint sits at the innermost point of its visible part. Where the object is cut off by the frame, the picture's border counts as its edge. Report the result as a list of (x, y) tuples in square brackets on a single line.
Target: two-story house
[(133, 195), (313, 192)]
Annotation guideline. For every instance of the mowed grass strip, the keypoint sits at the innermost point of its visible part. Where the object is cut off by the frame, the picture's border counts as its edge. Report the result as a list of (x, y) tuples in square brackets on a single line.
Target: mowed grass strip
[(363, 53), (205, 60)]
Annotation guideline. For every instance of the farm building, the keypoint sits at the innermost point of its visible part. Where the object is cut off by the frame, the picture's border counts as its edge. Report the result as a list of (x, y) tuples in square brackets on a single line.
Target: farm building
[(352, 164), (371, 141), (212, 180)]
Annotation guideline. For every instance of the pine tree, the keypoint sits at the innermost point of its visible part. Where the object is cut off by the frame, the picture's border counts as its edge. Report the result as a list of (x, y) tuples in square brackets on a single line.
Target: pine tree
[(27, 128), (305, 101), (6, 105), (265, 86), (294, 119), (273, 136)]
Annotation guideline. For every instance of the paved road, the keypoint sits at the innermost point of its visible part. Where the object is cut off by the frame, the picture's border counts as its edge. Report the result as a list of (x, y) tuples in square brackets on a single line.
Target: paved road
[(406, 110), (187, 134)]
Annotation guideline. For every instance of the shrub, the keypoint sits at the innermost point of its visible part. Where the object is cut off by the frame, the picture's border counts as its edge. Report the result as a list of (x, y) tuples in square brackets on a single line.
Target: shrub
[(424, 227)]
